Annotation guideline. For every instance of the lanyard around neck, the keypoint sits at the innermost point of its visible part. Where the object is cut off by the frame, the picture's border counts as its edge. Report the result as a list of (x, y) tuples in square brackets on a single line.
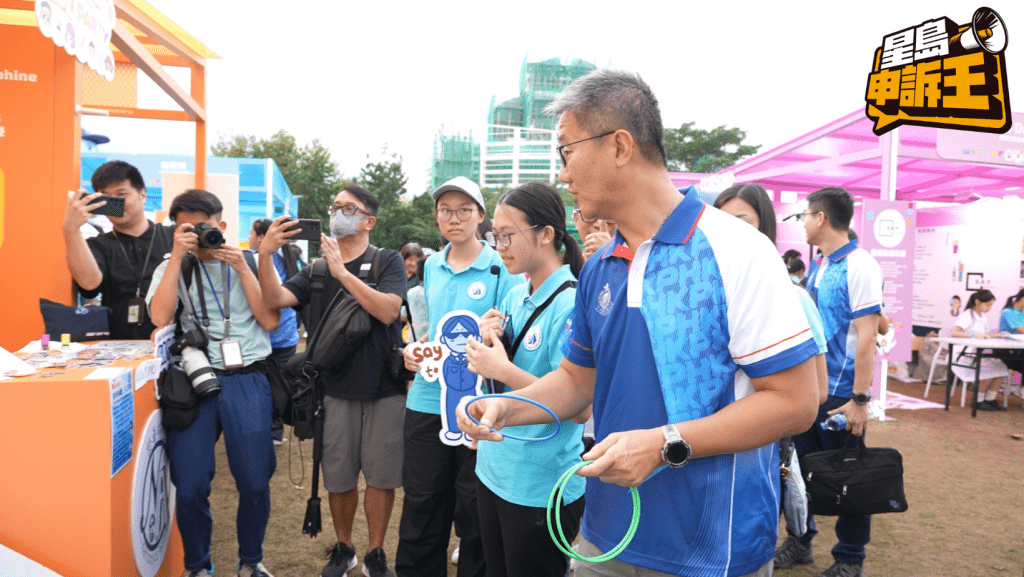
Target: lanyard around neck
[(225, 278), (149, 251)]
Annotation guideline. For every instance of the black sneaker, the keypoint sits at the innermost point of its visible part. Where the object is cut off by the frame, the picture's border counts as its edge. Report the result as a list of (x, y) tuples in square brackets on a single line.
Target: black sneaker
[(843, 570), (793, 552), (341, 560), (375, 564), (989, 406)]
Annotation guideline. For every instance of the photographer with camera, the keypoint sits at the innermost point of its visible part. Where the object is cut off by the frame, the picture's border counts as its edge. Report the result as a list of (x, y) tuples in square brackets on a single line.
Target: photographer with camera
[(364, 405), (233, 325), (119, 263)]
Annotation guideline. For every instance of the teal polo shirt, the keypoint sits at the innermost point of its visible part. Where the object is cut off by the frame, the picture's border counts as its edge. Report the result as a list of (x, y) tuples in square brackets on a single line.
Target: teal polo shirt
[(1010, 319), (472, 289), (524, 472)]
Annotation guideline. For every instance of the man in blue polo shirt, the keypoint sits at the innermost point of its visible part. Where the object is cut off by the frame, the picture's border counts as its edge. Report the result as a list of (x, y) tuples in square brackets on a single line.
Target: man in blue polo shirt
[(689, 340), (848, 287)]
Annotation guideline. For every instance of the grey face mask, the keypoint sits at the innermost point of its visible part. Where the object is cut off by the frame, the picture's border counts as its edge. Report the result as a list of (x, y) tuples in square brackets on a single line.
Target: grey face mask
[(342, 225)]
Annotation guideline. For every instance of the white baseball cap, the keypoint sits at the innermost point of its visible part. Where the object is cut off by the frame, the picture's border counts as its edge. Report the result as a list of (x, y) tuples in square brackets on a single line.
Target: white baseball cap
[(463, 185)]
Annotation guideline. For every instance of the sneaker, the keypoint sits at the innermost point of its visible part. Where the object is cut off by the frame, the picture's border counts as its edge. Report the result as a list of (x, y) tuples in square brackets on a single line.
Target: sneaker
[(199, 572), (793, 552), (375, 564), (257, 570), (341, 560), (996, 405), (843, 570), (455, 556)]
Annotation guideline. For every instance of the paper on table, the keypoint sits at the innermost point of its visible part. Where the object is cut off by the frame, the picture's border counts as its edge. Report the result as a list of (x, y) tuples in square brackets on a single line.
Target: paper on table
[(106, 373), (1017, 337), (147, 370), (13, 366)]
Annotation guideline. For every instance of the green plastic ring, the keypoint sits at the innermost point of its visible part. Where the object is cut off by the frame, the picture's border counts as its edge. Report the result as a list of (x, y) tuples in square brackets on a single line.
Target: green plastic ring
[(562, 543)]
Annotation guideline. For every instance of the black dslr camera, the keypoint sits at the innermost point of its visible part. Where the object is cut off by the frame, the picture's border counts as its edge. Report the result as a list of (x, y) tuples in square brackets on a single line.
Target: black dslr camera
[(209, 237)]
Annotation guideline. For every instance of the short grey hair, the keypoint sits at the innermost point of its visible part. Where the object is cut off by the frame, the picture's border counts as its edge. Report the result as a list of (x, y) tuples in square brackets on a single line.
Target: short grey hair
[(608, 99)]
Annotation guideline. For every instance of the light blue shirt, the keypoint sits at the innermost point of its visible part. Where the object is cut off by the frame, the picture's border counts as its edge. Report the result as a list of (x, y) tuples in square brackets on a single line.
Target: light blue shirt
[(522, 472), (474, 289), (813, 319), (1010, 319), (287, 332), (253, 338)]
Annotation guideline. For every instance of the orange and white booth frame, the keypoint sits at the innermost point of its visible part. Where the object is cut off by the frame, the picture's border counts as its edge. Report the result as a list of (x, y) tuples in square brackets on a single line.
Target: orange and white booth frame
[(66, 508)]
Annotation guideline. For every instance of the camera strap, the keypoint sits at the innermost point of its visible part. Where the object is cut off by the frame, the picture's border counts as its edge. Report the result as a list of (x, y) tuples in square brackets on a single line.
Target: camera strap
[(188, 267)]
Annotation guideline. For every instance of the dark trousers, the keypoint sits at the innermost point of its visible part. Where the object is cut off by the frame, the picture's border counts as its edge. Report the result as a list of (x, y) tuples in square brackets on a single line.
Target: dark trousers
[(853, 532), (242, 411), (516, 539), (282, 356), (440, 487)]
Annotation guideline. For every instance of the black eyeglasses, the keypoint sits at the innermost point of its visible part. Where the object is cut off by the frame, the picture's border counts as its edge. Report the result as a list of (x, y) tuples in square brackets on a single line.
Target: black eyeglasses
[(561, 153), (801, 216), (505, 238), (445, 214), (579, 213), (347, 210)]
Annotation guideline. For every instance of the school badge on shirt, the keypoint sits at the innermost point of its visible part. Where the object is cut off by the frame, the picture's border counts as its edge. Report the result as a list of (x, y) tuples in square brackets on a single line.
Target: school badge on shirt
[(532, 339), (477, 290), (604, 301)]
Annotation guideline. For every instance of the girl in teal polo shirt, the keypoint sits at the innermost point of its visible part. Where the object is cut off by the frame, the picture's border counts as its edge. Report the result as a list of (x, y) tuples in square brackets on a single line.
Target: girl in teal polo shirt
[(516, 477), (438, 476), (1011, 320)]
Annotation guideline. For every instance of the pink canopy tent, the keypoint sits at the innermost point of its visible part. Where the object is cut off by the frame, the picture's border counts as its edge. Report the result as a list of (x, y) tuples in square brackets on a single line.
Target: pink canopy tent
[(908, 163)]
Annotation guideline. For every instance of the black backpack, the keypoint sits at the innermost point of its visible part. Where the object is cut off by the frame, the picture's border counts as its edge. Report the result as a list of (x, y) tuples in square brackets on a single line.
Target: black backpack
[(336, 335)]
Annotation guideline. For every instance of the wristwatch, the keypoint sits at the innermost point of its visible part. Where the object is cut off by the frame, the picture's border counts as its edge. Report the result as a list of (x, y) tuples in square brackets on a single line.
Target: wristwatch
[(861, 398), (675, 452)]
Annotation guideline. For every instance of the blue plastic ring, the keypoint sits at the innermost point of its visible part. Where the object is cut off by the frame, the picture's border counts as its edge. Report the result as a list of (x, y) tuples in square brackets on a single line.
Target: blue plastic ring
[(558, 423)]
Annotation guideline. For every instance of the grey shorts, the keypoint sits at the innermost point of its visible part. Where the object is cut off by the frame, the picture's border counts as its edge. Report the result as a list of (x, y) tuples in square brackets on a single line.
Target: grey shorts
[(363, 436), (616, 568)]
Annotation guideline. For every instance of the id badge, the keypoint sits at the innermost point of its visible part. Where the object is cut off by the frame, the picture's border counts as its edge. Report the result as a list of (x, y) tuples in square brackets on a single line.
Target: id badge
[(231, 354), (136, 311)]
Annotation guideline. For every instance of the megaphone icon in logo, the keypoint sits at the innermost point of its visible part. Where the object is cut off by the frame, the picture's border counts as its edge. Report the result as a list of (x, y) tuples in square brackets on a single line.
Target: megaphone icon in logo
[(986, 30)]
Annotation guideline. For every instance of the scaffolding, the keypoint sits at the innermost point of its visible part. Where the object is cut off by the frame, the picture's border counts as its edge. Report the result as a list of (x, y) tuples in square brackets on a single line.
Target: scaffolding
[(454, 155)]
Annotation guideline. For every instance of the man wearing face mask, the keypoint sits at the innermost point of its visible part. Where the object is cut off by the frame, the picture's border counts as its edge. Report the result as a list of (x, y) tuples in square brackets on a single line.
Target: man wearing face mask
[(365, 408)]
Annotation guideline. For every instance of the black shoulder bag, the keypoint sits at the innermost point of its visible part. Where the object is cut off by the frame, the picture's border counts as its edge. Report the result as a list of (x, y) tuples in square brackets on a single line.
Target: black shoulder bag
[(855, 481), (339, 333)]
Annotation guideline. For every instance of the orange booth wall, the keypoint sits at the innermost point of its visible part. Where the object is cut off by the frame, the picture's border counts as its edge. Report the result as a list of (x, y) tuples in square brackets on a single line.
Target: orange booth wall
[(40, 139)]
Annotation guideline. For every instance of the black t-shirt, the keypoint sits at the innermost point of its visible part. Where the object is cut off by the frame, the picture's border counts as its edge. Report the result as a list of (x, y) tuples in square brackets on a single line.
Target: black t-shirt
[(365, 376), (121, 278)]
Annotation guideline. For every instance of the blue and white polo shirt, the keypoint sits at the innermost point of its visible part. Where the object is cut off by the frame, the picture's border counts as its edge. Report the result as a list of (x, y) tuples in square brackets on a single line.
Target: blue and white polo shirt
[(847, 285), (668, 330)]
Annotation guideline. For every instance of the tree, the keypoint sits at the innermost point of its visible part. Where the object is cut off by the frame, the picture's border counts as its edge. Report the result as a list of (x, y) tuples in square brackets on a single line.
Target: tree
[(309, 171), (398, 221), (694, 150)]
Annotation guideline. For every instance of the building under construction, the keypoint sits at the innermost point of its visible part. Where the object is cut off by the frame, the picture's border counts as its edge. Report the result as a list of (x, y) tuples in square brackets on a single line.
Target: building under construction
[(521, 138)]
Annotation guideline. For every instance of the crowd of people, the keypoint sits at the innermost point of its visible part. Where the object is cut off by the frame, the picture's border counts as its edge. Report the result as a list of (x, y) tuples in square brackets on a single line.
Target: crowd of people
[(674, 345)]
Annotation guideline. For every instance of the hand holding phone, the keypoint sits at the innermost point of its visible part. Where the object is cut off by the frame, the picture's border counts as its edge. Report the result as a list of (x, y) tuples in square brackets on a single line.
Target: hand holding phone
[(114, 205), (309, 228)]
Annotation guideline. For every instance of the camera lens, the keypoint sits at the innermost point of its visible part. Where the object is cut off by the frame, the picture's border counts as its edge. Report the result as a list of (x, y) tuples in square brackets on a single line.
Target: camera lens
[(200, 373)]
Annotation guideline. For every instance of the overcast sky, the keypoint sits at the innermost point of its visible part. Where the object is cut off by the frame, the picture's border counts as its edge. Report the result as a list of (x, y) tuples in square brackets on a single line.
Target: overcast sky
[(359, 75)]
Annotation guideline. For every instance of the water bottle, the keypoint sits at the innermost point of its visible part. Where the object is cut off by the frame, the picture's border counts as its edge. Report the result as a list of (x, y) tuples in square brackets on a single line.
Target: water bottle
[(836, 422)]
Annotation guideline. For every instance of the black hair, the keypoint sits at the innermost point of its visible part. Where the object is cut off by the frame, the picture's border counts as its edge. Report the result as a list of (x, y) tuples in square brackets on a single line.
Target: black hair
[(196, 200), (484, 229), (1013, 299), (850, 234), (836, 203), (542, 206), (411, 249), (790, 254), (981, 296), (369, 200), (420, 264), (261, 226), (116, 172), (795, 265), (442, 242), (756, 196)]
